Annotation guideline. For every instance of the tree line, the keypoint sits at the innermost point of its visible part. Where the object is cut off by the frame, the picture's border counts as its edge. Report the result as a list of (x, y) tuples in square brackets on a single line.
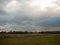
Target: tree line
[(26, 32)]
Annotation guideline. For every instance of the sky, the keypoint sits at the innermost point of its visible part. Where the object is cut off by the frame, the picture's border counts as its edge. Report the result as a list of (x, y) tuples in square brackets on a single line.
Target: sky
[(29, 15)]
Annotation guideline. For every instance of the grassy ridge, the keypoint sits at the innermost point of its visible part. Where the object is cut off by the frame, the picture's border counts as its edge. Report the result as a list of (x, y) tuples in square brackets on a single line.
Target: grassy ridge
[(40, 39)]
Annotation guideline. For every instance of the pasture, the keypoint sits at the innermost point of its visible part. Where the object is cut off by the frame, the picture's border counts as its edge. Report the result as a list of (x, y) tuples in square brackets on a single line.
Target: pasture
[(29, 39)]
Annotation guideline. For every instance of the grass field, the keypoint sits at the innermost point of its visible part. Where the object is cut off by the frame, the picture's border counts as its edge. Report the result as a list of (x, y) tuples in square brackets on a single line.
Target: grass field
[(29, 39)]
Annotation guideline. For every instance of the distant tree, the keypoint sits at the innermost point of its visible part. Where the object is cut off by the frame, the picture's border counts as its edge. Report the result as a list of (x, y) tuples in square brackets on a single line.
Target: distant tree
[(3, 32)]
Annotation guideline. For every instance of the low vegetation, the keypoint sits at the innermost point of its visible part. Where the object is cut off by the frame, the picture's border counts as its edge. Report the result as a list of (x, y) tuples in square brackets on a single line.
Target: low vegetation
[(29, 39)]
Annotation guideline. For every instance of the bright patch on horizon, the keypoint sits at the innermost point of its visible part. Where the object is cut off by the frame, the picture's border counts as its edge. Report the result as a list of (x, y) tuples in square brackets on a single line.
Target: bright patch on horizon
[(47, 3), (42, 3)]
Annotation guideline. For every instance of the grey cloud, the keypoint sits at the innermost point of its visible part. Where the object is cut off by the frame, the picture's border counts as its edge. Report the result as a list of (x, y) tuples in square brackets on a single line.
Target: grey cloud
[(2, 12), (26, 17)]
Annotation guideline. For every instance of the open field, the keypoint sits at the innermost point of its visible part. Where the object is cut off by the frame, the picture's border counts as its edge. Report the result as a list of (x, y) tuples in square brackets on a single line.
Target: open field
[(29, 39)]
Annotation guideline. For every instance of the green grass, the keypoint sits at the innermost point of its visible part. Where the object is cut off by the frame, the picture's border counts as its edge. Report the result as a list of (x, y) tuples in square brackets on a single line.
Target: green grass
[(43, 39)]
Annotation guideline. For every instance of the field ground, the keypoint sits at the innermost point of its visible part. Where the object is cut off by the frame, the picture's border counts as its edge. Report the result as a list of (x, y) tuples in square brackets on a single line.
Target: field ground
[(29, 39)]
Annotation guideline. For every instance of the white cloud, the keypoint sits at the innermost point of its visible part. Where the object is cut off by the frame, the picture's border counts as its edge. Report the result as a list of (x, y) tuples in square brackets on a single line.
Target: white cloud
[(13, 6), (30, 9)]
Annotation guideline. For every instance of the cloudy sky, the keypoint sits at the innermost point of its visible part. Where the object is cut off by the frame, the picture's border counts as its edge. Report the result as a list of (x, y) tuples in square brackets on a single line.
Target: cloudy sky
[(29, 15)]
